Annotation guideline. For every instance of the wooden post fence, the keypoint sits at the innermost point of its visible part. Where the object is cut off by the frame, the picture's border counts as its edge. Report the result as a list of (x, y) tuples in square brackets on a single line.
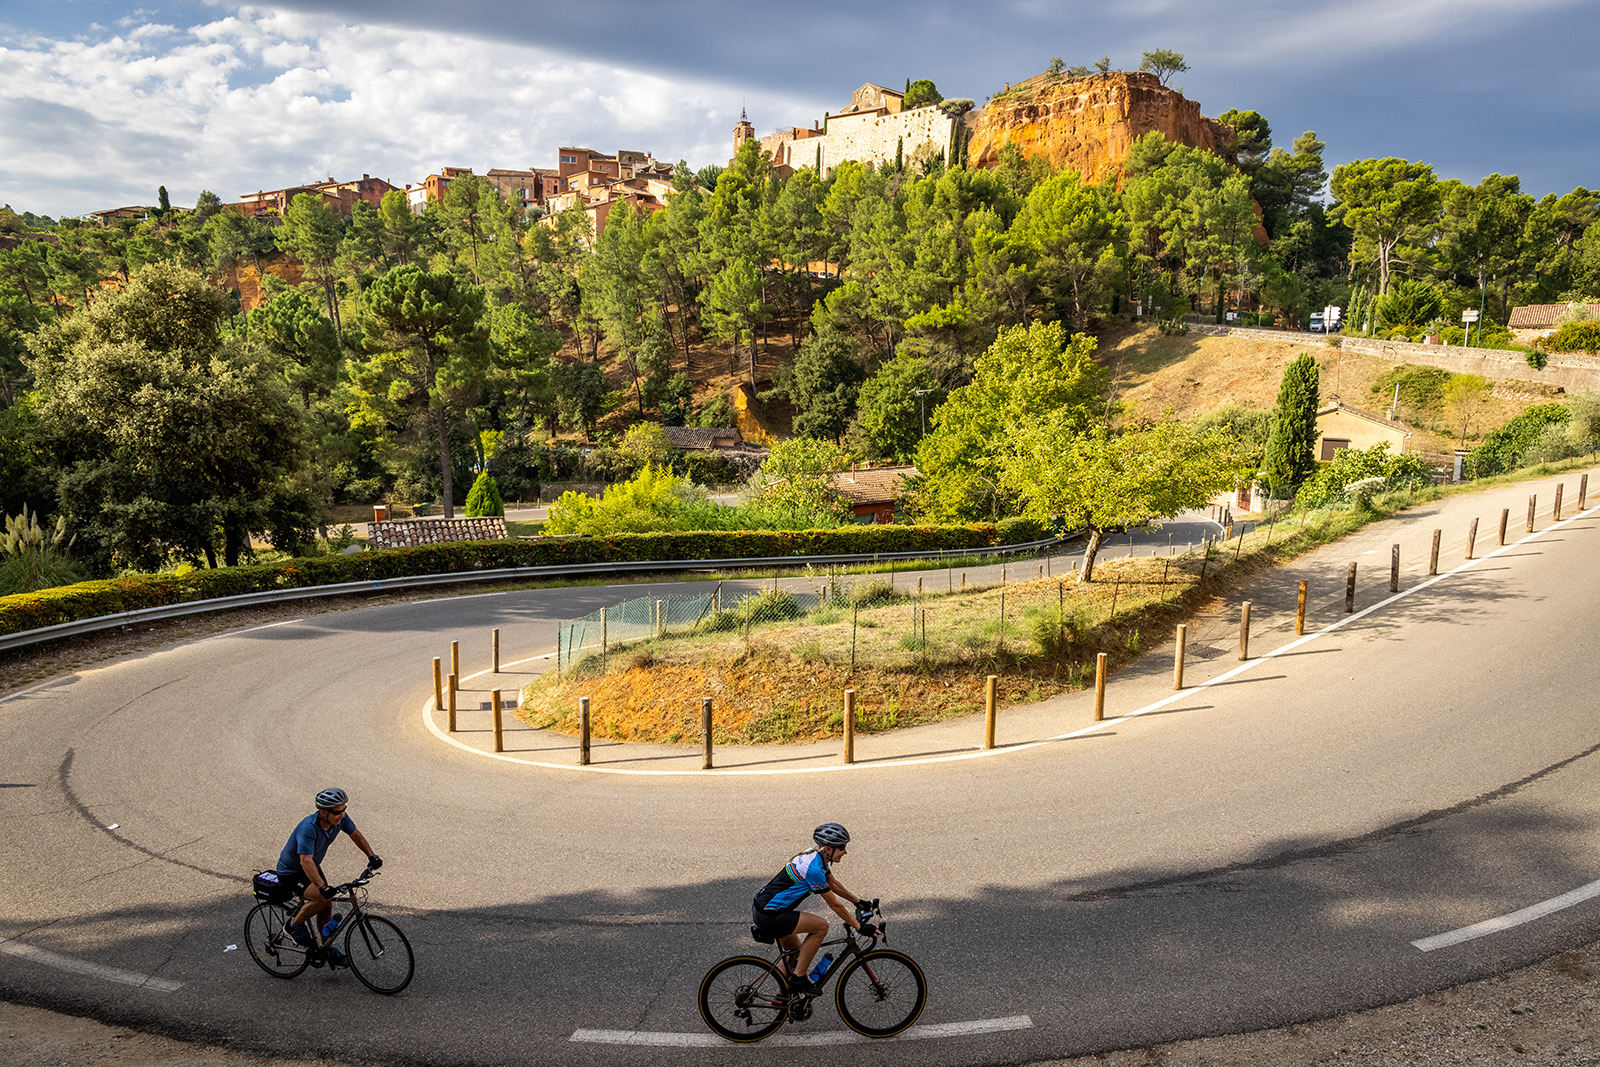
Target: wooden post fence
[(1300, 610), (499, 736), (1099, 686), (1244, 630), (705, 733), (990, 685), (1350, 590), (849, 726), (1177, 656), (1433, 556), (583, 731)]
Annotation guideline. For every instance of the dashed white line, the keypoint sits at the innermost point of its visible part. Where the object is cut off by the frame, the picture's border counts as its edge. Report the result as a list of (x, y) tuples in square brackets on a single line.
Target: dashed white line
[(1507, 921), (93, 970), (649, 1039)]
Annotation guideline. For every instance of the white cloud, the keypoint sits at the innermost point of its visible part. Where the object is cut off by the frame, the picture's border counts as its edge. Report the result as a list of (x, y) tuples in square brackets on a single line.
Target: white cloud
[(262, 99)]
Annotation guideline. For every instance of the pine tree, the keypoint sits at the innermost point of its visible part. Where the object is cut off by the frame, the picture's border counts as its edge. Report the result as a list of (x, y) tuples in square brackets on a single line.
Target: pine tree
[(1289, 458)]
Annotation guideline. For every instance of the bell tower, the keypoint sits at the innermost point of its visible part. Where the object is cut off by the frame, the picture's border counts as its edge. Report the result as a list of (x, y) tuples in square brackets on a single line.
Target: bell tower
[(743, 132)]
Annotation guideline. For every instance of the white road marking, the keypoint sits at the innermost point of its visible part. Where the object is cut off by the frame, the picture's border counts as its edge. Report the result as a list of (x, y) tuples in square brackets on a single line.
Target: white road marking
[(34, 689), (1183, 694), (646, 1038), (251, 630), (1506, 922), (93, 970)]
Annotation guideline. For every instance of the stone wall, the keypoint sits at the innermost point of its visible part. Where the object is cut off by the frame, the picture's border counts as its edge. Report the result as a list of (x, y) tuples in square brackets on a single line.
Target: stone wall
[(868, 138), (1571, 373), (1089, 124)]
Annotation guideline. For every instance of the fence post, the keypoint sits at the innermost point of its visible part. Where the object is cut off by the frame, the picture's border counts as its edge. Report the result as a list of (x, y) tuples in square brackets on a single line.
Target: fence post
[(849, 726), (1505, 517), (603, 641), (438, 685), (658, 620), (705, 733), (989, 687), (1166, 563), (1350, 591), (1559, 487), (1177, 656), (1472, 537), (499, 739), (855, 618), (1244, 630), (494, 650), (452, 703), (1300, 610), (583, 731), (1002, 618), (1433, 556), (1394, 568), (1533, 503), (716, 599), (1099, 686), (1583, 491), (455, 658)]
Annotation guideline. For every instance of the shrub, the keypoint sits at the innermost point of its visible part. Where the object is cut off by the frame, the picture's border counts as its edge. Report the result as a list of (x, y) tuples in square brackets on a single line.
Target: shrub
[(1502, 450), (1267, 318), (1019, 531), (1575, 337), (1353, 465)]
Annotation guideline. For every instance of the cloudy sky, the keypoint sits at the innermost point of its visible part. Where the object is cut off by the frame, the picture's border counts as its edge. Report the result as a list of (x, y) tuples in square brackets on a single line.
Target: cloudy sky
[(101, 101)]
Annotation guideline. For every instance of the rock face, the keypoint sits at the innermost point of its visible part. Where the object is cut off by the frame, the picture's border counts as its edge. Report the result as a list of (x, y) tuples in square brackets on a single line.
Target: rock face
[(1088, 124)]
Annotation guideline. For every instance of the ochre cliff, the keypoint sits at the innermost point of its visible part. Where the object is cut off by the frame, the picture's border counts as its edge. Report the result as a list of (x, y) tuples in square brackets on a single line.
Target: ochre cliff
[(1088, 124)]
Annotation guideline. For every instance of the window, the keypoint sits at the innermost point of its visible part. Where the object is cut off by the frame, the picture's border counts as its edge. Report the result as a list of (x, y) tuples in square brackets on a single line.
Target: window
[(569, 159)]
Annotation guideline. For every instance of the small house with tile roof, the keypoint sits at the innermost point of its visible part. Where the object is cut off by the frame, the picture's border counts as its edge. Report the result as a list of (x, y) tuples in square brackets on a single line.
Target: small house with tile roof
[(1341, 426), (702, 438), (1532, 322), (872, 492)]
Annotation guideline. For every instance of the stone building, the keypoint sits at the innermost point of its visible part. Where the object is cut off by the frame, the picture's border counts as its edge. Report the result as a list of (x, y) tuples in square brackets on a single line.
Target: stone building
[(339, 196), (873, 128)]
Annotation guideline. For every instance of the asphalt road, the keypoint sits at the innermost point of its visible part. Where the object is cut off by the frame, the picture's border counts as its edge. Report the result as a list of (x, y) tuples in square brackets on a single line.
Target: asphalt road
[(1263, 849)]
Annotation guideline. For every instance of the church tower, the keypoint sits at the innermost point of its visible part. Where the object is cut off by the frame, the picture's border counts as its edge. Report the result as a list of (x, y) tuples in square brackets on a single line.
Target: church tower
[(742, 132)]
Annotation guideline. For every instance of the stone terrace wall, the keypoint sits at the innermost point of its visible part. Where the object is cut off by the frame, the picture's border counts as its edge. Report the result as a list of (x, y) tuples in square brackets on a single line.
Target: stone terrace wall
[(872, 138), (1564, 370)]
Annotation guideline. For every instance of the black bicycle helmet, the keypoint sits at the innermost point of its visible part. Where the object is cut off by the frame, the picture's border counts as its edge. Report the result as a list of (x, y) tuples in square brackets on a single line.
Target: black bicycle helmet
[(830, 833), (333, 798)]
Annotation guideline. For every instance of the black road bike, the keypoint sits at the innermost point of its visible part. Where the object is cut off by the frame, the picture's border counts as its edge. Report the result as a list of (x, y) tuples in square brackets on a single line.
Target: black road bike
[(374, 948), (880, 992)]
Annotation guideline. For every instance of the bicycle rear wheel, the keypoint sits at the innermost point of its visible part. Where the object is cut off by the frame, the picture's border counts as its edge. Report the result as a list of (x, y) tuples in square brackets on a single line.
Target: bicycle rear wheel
[(266, 935), (379, 954), (881, 993), (743, 998)]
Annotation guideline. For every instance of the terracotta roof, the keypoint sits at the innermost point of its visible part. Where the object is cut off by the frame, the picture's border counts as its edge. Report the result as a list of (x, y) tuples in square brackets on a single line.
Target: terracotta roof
[(1543, 316), (872, 486), (1338, 405), (702, 438)]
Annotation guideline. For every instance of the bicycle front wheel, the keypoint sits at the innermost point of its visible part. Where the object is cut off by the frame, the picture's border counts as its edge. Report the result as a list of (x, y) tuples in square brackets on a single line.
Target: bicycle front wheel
[(266, 935), (881, 993), (379, 954), (743, 998)]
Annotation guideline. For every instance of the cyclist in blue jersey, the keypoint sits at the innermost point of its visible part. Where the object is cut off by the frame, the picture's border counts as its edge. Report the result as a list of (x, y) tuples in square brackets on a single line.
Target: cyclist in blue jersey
[(775, 908), (300, 864)]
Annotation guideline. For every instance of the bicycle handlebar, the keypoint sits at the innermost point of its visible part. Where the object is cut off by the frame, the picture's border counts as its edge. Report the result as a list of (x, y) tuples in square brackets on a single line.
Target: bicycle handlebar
[(332, 891)]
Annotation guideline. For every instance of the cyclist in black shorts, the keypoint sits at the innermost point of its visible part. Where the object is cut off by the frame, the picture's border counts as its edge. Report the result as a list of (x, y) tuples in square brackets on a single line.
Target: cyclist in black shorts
[(300, 865), (775, 908)]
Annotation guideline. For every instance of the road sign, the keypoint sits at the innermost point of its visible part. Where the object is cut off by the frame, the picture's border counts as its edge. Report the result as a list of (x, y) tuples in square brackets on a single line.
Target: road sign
[(1469, 316)]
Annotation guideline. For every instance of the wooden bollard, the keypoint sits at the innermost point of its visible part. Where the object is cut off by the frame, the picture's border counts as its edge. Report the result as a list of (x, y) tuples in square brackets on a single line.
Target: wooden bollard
[(1433, 556), (849, 726), (1300, 610), (1177, 656), (1472, 537), (1505, 517), (1583, 492), (1559, 488), (583, 731), (1244, 630), (438, 684), (494, 650), (1099, 686), (1350, 591), (452, 695), (990, 685), (1533, 504), (1394, 568), (499, 737), (455, 658), (705, 733)]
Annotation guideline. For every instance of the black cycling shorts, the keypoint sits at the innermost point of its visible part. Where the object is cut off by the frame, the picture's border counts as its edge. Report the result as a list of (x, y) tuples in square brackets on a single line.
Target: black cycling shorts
[(298, 881), (776, 923)]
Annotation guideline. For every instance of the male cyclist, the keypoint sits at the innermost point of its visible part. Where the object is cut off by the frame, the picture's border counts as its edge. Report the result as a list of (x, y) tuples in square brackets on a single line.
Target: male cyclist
[(774, 910), (300, 864)]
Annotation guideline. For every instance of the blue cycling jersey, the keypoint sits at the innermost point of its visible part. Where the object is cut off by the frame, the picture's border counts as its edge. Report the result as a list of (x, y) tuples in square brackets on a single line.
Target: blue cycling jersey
[(807, 873), (310, 839)]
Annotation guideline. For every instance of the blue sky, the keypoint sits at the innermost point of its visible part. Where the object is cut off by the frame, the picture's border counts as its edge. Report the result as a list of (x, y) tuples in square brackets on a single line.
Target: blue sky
[(102, 100)]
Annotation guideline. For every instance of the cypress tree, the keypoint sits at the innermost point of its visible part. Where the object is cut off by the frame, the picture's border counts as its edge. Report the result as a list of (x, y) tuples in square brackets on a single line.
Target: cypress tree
[(485, 497), (1289, 459)]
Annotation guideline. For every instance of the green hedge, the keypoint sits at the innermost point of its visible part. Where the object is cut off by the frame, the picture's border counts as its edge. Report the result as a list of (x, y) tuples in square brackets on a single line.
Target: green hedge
[(87, 600)]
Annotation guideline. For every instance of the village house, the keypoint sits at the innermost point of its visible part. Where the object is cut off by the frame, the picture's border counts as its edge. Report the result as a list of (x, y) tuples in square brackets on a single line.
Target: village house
[(873, 128), (119, 214), (703, 438), (873, 493), (431, 189), (599, 184), (1341, 426), (1534, 322), (340, 197)]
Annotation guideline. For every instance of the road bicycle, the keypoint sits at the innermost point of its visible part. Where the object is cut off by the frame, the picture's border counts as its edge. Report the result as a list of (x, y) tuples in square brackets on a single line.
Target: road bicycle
[(374, 948), (880, 992)]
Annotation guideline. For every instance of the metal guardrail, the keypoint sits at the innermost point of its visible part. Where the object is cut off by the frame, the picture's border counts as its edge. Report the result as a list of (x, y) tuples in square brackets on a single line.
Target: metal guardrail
[(23, 638)]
